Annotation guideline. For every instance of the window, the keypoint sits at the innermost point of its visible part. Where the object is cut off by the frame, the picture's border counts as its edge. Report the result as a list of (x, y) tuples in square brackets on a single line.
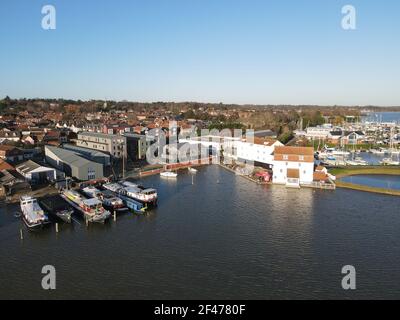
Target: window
[(91, 174), (301, 158), (285, 157)]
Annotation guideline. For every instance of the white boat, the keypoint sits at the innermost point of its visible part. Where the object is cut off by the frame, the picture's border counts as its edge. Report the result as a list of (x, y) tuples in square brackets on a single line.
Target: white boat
[(148, 196), (334, 152), (378, 151), (192, 170), (394, 151), (356, 163), (91, 209), (32, 214), (92, 192), (389, 162), (168, 174)]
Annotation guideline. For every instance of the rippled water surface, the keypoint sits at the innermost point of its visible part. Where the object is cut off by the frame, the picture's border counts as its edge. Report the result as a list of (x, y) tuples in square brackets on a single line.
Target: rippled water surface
[(223, 237)]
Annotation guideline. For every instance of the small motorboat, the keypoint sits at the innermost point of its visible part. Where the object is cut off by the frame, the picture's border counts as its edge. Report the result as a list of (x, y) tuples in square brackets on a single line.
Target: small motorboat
[(192, 170), (168, 174)]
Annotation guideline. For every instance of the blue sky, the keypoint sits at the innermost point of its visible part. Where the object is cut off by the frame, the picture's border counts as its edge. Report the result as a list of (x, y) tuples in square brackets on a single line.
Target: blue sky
[(231, 51)]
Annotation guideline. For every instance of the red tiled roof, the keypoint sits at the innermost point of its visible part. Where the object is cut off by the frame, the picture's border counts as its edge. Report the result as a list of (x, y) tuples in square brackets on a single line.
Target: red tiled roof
[(300, 151), (320, 176), (4, 165)]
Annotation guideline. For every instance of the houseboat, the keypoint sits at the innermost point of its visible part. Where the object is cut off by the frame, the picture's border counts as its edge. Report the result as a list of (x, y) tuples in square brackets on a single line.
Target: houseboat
[(91, 209), (147, 196), (109, 200), (32, 214)]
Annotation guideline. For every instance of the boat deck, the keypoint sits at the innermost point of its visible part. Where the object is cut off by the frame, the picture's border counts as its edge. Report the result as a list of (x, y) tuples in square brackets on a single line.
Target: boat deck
[(55, 203)]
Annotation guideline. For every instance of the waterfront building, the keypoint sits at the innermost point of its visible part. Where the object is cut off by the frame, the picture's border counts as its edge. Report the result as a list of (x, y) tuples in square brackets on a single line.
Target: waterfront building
[(319, 132), (92, 155), (34, 173), (136, 146), (11, 181), (353, 137), (257, 150), (113, 144), (293, 166), (73, 164)]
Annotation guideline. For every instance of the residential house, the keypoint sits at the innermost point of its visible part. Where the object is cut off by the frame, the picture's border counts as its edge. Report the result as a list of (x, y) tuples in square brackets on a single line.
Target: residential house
[(11, 153)]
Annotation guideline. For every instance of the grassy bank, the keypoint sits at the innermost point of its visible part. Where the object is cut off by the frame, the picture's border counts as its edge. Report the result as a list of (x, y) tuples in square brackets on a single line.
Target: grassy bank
[(351, 171), (346, 185)]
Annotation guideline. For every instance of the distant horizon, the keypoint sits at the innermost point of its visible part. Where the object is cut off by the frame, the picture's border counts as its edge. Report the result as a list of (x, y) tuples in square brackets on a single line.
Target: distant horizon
[(202, 102)]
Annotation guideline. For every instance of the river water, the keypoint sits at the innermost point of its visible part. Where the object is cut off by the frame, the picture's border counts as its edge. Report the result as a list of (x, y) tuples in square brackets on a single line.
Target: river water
[(383, 117), (378, 181), (223, 237)]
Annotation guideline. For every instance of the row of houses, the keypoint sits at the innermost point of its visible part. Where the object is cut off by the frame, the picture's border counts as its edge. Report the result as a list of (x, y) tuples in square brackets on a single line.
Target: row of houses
[(334, 135)]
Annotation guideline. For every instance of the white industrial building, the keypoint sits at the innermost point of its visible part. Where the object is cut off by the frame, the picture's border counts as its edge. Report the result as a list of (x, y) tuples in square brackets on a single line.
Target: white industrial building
[(35, 173)]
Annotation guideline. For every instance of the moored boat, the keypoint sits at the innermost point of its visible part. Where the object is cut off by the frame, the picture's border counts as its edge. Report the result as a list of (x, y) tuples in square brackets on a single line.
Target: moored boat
[(55, 206), (147, 196), (192, 170), (168, 174), (112, 203), (389, 162), (32, 214), (109, 200)]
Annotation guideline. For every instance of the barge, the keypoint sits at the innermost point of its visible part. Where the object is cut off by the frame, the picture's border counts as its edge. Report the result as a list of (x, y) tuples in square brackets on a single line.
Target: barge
[(56, 207)]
